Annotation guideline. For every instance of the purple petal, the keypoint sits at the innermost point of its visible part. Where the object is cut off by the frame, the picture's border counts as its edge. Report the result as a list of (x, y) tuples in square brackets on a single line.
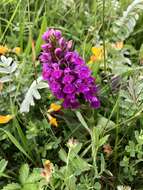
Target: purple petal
[(57, 73), (58, 52), (68, 79), (84, 72), (69, 88), (55, 87), (95, 103), (45, 57), (58, 34)]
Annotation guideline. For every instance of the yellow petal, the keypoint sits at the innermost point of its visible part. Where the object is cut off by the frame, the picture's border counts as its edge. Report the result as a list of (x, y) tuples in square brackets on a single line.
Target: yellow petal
[(17, 50), (54, 107), (93, 58), (5, 119), (98, 52), (3, 50), (48, 166), (52, 120)]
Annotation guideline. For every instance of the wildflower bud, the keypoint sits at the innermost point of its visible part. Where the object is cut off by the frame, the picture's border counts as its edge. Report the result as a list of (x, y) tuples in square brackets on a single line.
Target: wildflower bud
[(58, 34), (69, 44), (47, 171), (45, 57), (58, 52), (46, 47), (62, 43), (72, 143)]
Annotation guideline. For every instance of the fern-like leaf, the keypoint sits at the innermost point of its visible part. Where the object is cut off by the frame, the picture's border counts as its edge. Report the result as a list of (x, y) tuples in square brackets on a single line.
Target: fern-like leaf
[(123, 27), (32, 94), (7, 68)]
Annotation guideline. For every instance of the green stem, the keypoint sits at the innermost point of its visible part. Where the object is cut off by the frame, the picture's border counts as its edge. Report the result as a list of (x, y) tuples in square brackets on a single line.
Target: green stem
[(104, 48), (67, 165), (94, 155), (117, 138)]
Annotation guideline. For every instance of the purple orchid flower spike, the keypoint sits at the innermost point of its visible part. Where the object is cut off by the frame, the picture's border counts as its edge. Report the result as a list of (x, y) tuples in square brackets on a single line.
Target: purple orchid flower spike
[(66, 72)]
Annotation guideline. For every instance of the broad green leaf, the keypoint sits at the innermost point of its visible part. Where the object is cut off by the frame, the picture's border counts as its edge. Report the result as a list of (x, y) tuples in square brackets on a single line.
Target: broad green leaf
[(12, 186), (30, 187), (35, 176), (80, 165), (104, 122), (63, 155), (23, 173), (97, 186)]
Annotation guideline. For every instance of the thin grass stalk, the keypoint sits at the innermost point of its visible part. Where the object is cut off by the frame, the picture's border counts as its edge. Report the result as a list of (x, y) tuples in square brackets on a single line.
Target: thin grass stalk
[(104, 48)]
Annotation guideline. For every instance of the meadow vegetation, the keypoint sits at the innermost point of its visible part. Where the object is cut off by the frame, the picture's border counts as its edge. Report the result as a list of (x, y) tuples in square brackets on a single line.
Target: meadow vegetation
[(52, 141)]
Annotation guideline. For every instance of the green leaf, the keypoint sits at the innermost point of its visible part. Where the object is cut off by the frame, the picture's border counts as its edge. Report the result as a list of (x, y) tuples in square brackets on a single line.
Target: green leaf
[(16, 143), (104, 122), (63, 155), (102, 167), (123, 27), (23, 173), (75, 150), (32, 94), (97, 186), (34, 176), (12, 186), (83, 122), (3, 164), (103, 140), (39, 40), (30, 187), (80, 165)]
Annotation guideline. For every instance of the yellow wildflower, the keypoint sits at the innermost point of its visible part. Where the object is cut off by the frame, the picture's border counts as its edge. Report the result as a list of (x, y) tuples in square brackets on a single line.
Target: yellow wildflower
[(98, 52), (93, 58), (118, 45), (52, 120), (5, 119), (54, 107), (47, 171), (17, 50), (3, 50)]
